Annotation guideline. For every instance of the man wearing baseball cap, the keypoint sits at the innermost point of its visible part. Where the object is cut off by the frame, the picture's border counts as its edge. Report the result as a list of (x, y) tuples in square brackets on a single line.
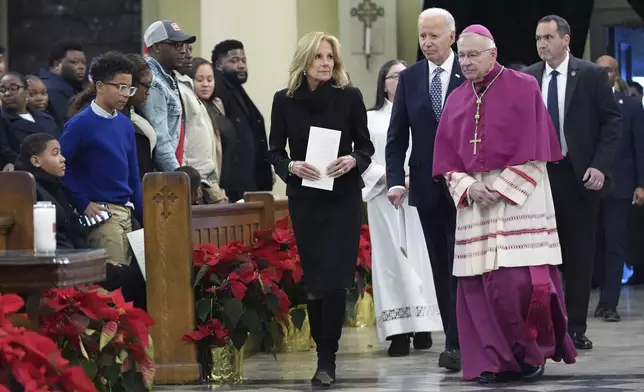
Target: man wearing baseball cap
[(166, 48)]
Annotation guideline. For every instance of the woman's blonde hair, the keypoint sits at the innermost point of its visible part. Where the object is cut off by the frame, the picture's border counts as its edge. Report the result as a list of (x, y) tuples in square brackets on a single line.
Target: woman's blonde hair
[(305, 54)]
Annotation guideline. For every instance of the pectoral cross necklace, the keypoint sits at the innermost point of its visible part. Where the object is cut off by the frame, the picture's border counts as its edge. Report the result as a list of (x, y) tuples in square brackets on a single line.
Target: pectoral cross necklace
[(477, 116)]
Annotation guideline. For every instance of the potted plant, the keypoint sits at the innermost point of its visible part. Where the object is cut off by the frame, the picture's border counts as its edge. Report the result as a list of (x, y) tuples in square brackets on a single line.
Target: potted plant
[(360, 305), (276, 249), (31, 361), (101, 332), (234, 299)]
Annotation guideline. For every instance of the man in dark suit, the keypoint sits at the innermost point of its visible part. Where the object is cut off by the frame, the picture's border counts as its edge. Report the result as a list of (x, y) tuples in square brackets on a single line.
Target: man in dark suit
[(628, 189), (584, 112), (420, 97), (251, 171)]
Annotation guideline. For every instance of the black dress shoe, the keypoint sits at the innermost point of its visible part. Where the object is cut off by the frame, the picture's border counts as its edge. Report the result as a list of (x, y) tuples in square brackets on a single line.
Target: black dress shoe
[(600, 311), (581, 341), (323, 378), (612, 316), (423, 341), (399, 346), (450, 359), (492, 378), (532, 373)]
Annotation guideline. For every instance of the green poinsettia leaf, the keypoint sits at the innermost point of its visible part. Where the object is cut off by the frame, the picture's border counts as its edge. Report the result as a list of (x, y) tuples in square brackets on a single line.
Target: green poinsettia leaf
[(120, 359), (203, 309), (90, 368), (149, 350), (107, 334), (238, 337), (113, 374), (82, 348), (201, 274), (272, 302), (251, 321), (298, 315), (233, 311)]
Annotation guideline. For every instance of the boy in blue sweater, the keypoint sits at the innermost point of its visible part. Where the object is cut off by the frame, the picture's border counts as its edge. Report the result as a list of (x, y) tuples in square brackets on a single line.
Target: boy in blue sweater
[(102, 166)]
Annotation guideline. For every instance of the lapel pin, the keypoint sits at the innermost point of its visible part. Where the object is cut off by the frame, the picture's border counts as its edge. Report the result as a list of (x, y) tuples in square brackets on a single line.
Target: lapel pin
[(457, 75), (573, 73), (621, 101)]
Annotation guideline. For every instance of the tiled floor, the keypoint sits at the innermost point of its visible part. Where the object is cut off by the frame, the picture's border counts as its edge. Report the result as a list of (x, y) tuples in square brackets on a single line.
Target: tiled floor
[(616, 364)]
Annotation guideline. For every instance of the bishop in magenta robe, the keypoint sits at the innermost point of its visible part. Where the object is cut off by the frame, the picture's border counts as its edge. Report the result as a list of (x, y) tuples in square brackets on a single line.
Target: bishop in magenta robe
[(493, 142)]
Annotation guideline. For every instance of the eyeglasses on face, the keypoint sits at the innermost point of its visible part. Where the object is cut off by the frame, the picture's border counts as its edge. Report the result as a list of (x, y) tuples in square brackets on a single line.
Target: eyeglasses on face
[(13, 89), (124, 89), (393, 76), (472, 55), (178, 46)]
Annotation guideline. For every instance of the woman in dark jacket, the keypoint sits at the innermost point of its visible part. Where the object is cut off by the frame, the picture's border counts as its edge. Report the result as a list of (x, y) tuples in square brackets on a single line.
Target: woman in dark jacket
[(326, 223), (40, 155), (19, 119), (224, 128)]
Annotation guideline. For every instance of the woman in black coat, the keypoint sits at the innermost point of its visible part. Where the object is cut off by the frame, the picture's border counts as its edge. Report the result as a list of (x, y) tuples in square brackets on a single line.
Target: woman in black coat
[(326, 223), (40, 155)]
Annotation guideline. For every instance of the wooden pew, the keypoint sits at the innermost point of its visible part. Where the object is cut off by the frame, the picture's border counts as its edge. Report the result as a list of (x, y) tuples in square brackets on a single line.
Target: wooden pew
[(172, 228), (17, 198)]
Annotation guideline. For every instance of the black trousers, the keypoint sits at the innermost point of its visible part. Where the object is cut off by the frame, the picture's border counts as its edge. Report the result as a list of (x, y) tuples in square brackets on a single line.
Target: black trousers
[(576, 214), (439, 226), (614, 218)]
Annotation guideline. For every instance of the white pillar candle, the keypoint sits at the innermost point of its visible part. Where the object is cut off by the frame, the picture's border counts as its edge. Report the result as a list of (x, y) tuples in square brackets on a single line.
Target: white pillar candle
[(44, 227)]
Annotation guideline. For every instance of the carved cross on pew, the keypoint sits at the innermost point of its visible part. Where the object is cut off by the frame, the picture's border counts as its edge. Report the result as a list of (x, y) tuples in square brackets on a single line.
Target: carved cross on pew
[(167, 198), (367, 12)]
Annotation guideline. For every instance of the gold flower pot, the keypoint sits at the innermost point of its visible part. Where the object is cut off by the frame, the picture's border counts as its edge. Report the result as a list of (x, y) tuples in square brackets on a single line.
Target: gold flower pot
[(227, 364), (294, 339), (364, 313)]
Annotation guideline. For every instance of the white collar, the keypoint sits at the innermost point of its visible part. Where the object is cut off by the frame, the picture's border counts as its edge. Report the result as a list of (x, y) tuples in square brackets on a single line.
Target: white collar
[(447, 65), (387, 106), (99, 111), (562, 68)]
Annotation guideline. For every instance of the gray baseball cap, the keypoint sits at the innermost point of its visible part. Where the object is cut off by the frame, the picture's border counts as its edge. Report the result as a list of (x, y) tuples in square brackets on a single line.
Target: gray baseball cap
[(166, 30)]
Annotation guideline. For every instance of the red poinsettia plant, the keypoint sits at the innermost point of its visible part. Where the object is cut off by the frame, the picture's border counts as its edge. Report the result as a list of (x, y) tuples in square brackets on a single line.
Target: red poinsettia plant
[(363, 269), (276, 249), (235, 298), (99, 331), (30, 361)]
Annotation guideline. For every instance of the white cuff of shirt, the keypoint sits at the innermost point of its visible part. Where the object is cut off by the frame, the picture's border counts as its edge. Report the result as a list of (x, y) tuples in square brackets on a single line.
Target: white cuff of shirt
[(397, 187)]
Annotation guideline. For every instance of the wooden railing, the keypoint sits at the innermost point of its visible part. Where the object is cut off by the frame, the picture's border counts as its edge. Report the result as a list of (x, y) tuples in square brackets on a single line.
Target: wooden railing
[(17, 198), (172, 228)]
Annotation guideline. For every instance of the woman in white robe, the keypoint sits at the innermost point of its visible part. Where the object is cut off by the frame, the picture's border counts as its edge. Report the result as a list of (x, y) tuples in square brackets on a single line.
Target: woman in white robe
[(403, 285)]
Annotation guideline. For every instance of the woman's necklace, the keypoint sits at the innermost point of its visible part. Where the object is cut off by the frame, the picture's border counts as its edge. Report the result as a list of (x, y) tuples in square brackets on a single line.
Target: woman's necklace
[(477, 116)]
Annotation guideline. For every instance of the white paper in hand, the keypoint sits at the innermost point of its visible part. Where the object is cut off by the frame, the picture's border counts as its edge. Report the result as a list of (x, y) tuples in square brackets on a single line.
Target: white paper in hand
[(321, 150), (402, 231)]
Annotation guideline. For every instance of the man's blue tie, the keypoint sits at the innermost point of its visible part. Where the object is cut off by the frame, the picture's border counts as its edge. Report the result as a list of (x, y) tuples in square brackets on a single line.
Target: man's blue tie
[(436, 93), (553, 103)]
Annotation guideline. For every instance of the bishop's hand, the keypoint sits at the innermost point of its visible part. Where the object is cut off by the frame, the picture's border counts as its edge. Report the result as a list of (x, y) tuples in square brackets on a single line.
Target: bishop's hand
[(483, 195)]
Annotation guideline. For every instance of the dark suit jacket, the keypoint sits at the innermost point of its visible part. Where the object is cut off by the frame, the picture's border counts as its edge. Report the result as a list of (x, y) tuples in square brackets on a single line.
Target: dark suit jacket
[(18, 128), (592, 122), (60, 95), (628, 168), (250, 173), (413, 108), (328, 107)]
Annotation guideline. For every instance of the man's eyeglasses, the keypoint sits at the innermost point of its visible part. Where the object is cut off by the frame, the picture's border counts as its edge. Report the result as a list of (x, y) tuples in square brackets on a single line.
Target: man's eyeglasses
[(472, 55), (178, 46), (13, 89), (124, 89)]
